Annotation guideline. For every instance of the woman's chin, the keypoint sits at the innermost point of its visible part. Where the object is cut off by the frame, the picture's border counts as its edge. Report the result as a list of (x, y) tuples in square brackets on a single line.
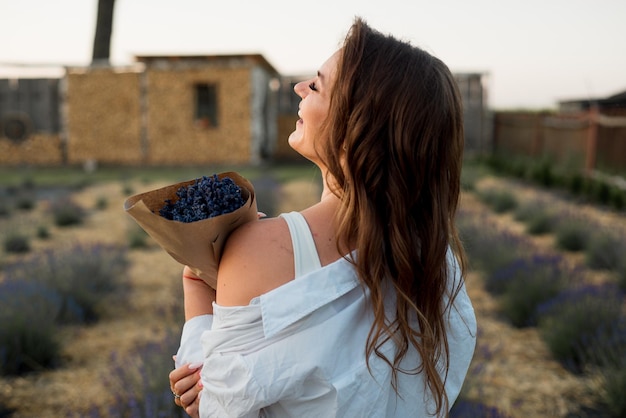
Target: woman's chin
[(294, 139)]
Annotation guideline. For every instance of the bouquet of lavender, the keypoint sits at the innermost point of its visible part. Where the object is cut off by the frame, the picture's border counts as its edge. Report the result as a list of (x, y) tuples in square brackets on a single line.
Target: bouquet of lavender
[(191, 220), (206, 197)]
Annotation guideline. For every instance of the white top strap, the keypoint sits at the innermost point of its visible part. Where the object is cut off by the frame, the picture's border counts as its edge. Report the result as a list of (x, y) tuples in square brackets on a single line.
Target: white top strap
[(305, 255)]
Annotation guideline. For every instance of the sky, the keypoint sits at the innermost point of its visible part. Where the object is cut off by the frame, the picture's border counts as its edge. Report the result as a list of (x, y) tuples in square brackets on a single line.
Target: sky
[(534, 53)]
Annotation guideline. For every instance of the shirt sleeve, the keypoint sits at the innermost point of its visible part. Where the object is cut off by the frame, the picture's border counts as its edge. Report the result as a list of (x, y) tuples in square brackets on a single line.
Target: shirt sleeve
[(190, 350), (230, 389)]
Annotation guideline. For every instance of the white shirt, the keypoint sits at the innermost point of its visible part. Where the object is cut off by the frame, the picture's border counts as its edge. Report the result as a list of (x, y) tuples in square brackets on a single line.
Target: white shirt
[(299, 351)]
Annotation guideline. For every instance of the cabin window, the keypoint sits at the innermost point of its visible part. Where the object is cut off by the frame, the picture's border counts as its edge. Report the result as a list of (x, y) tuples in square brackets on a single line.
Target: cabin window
[(206, 105)]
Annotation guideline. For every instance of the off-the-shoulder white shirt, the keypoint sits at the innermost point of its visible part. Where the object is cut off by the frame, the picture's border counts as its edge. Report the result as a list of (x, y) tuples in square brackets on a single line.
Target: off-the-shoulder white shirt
[(299, 351)]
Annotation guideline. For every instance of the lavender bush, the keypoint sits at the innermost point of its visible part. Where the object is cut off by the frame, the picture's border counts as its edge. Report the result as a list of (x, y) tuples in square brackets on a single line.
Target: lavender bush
[(471, 409), (66, 212), (573, 235), (531, 208), (137, 237), (529, 282), (140, 382), (16, 242), (101, 203), (500, 201), (573, 321), (621, 276), (28, 332), (539, 216), (487, 247), (42, 232), (606, 353), (83, 275), (606, 251), (614, 387), (541, 223), (25, 201)]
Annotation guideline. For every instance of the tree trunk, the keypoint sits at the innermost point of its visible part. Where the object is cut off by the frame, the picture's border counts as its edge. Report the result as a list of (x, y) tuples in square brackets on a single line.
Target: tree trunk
[(104, 29)]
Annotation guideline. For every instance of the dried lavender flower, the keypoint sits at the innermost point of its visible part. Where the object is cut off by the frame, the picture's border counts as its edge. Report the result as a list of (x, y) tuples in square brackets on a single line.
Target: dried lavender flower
[(206, 197)]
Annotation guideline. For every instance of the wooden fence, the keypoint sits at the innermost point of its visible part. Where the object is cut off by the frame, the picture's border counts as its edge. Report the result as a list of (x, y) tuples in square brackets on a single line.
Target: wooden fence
[(584, 141)]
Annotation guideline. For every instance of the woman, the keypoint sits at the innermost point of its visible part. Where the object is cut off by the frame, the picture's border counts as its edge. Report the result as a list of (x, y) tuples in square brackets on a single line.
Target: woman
[(355, 306)]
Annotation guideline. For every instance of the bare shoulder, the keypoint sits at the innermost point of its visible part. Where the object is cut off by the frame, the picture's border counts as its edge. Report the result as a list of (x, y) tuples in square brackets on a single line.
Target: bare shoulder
[(257, 257)]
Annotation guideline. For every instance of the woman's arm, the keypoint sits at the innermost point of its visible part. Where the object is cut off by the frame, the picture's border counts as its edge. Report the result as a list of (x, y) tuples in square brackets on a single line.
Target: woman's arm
[(185, 379), (198, 296)]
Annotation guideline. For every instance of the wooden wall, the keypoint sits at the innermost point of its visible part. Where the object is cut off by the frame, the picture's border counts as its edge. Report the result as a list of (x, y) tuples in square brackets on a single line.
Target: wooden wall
[(175, 138), (103, 117), (38, 149)]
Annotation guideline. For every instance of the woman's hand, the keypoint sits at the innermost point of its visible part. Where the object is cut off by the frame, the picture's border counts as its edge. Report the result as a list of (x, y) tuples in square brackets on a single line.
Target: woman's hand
[(186, 386)]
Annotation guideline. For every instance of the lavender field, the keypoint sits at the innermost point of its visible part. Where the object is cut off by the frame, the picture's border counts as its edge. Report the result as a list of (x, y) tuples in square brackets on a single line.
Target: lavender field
[(91, 308)]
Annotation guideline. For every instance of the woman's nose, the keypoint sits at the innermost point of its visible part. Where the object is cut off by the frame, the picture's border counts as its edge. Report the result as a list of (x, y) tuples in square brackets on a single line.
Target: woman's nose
[(300, 88)]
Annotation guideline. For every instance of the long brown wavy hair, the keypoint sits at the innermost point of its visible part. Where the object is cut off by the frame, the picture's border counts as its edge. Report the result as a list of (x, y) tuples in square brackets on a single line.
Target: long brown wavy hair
[(395, 147)]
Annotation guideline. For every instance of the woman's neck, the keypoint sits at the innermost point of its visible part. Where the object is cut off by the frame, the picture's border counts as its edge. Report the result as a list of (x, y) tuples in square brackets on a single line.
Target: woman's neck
[(327, 187)]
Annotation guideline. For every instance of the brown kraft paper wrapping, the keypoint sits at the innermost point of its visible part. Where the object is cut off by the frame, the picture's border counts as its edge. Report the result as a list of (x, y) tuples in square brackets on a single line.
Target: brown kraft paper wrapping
[(195, 244)]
